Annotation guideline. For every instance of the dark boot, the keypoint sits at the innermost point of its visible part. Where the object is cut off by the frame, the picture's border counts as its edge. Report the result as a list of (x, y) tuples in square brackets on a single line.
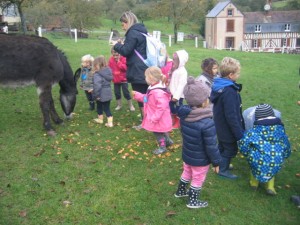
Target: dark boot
[(181, 190), (224, 169), (92, 105), (296, 200), (193, 201), (169, 141)]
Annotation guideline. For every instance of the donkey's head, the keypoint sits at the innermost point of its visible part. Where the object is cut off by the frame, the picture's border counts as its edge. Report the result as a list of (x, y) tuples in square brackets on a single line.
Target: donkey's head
[(68, 101)]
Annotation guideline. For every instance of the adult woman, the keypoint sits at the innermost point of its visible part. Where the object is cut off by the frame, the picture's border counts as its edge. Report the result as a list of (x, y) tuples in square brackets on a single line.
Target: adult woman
[(134, 41)]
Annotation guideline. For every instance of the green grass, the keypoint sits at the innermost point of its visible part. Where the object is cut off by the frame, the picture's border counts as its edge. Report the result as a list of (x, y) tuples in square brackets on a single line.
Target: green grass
[(109, 176), (279, 4)]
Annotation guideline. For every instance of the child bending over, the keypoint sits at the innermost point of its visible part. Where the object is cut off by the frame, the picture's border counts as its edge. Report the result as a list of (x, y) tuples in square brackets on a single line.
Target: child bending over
[(265, 147)]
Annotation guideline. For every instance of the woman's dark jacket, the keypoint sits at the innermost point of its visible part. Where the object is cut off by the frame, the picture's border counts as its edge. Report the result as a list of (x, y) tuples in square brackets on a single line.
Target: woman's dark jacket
[(134, 40), (199, 147)]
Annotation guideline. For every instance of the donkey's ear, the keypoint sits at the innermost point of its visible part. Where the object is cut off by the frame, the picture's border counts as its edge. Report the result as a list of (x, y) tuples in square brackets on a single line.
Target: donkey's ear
[(77, 74)]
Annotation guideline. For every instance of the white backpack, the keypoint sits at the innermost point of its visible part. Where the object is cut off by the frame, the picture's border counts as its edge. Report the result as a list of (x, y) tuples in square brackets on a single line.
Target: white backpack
[(156, 52)]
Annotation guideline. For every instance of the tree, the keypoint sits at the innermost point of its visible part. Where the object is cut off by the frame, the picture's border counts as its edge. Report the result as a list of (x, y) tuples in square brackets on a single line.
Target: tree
[(293, 5), (179, 12), (20, 5)]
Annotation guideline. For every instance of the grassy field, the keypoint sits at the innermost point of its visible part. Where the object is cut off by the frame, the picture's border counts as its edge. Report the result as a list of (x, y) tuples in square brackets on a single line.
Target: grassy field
[(89, 174)]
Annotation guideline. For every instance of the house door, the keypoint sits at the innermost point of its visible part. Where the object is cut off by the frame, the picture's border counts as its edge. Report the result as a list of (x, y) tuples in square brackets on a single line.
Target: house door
[(229, 42)]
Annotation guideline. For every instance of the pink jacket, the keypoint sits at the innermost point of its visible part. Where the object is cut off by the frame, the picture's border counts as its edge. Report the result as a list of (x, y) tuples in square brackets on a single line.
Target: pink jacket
[(157, 115)]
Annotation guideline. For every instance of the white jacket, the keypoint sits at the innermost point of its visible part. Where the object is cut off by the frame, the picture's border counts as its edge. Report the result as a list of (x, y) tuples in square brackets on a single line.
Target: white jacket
[(179, 76)]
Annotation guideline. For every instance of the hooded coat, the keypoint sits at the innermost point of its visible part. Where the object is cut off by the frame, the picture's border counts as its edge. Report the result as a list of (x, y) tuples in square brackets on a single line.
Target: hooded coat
[(265, 147), (102, 87), (227, 110), (157, 115), (179, 76), (134, 40)]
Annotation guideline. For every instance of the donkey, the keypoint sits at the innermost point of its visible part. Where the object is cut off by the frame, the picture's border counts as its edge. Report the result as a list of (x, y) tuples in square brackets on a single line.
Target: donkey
[(27, 60)]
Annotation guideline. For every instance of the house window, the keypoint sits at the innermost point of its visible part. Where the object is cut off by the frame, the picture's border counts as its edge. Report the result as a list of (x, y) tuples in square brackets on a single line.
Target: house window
[(283, 42), (229, 42), (287, 27), (258, 28), (298, 42), (230, 26), (230, 12)]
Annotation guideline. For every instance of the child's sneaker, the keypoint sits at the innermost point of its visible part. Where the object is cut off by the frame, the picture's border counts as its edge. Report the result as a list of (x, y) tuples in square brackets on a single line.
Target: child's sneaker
[(160, 150)]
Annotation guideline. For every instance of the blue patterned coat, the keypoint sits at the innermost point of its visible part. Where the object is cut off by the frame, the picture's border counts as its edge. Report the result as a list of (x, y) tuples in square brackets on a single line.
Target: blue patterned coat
[(265, 147)]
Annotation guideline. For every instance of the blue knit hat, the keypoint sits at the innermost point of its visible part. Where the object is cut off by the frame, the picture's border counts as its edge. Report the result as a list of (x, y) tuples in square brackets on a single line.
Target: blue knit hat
[(263, 111)]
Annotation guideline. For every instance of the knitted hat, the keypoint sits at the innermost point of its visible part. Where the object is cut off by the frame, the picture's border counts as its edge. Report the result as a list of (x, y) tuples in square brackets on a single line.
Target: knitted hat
[(195, 92), (263, 111)]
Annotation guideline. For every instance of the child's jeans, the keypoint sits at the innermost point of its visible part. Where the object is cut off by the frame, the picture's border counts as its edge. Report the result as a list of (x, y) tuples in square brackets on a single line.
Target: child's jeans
[(103, 106), (124, 87), (195, 174), (89, 96)]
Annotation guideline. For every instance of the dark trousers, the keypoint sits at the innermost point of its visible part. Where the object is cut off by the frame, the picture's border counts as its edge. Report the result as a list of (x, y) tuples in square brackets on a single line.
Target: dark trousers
[(103, 106), (228, 150), (124, 87), (89, 96), (142, 88)]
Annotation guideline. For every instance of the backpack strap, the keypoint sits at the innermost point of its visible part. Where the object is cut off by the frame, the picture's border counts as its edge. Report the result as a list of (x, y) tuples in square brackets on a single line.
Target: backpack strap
[(137, 53)]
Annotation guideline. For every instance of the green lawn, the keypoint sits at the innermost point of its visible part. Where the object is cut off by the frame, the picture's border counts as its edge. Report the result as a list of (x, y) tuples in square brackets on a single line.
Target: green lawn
[(90, 174)]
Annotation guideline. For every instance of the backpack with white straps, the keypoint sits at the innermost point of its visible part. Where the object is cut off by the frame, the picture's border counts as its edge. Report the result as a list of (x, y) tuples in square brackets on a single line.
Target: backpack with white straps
[(156, 52)]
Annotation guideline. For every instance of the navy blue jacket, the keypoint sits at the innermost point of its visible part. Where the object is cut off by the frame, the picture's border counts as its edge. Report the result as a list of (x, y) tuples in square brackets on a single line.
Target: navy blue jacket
[(199, 147), (227, 110), (134, 40)]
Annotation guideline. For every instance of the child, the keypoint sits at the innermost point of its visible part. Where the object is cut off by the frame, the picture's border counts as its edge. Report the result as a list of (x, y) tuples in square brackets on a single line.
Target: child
[(87, 78), (166, 70), (199, 147), (117, 63), (102, 90), (265, 146), (157, 117), (209, 68), (227, 113), (177, 83)]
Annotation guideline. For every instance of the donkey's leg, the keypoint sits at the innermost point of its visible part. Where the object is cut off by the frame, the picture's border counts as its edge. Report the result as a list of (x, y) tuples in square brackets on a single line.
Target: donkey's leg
[(45, 98), (54, 116)]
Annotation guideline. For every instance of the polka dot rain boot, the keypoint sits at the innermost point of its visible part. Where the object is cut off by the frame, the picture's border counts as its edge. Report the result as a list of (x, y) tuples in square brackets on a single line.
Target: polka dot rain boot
[(193, 201)]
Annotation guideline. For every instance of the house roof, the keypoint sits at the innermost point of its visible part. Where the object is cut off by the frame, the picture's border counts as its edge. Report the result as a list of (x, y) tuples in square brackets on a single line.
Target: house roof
[(217, 9), (272, 17)]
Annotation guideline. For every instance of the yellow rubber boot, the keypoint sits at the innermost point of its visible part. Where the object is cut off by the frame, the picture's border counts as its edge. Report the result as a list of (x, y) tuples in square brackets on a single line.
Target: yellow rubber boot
[(253, 182), (270, 187), (109, 122), (99, 119)]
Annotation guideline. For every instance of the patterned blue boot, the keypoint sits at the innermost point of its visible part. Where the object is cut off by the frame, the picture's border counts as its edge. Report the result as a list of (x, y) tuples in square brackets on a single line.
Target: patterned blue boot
[(193, 201), (181, 190)]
